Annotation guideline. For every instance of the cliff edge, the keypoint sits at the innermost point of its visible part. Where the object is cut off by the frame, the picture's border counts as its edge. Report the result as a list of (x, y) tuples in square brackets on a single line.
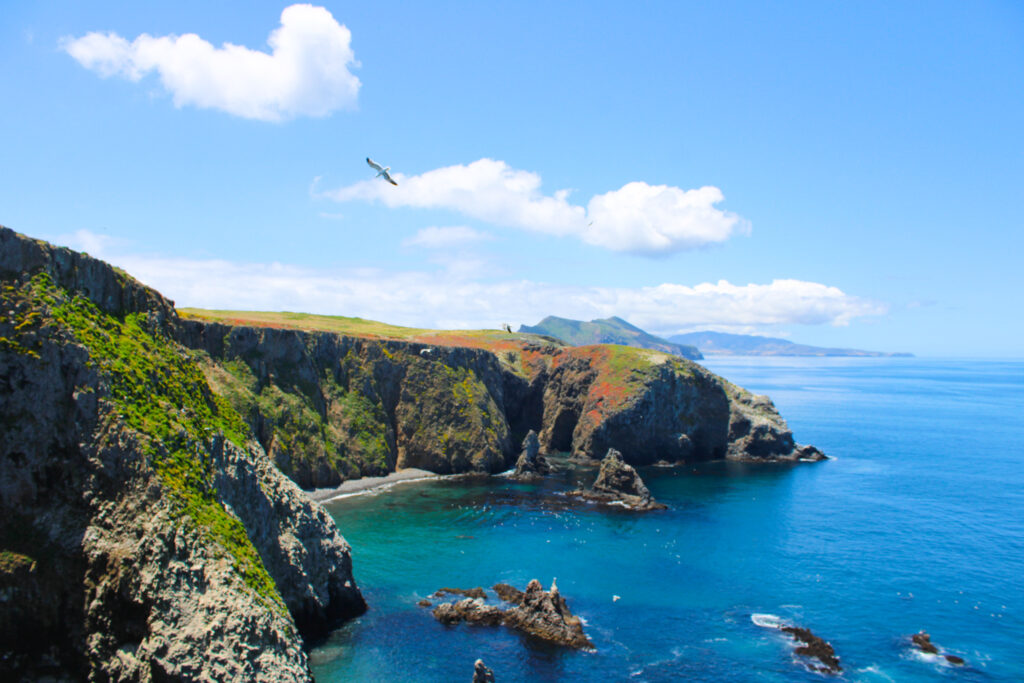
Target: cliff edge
[(145, 535)]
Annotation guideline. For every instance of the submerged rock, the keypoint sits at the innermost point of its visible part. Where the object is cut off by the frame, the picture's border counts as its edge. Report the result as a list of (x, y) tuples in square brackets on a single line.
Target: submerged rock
[(540, 613), (618, 483), (923, 642), (481, 673), (814, 647), (465, 592), (531, 464), (508, 593)]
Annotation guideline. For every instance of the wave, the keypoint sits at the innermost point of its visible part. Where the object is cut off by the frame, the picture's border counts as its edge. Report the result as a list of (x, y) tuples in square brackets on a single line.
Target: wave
[(767, 620), (875, 672)]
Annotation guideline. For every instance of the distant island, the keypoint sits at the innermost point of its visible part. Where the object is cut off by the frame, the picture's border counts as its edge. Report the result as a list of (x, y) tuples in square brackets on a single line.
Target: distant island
[(607, 331), (724, 344)]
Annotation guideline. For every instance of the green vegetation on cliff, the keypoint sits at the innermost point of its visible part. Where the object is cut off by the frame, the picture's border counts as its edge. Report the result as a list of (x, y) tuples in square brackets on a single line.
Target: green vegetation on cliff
[(158, 391)]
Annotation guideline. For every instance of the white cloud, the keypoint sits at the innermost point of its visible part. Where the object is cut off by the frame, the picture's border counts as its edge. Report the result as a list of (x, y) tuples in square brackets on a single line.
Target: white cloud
[(307, 72), (659, 218), (639, 218), (445, 238), (459, 298)]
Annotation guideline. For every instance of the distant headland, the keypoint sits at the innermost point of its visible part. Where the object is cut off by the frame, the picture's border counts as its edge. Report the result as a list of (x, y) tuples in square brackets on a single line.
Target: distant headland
[(693, 345), (724, 344)]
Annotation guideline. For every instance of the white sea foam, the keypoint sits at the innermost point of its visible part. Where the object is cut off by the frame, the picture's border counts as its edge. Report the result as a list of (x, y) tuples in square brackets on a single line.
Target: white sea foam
[(874, 671), (767, 620)]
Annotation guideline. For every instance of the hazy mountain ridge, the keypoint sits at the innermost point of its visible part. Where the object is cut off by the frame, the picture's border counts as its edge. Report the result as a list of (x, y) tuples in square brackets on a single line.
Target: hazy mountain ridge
[(612, 330), (725, 344)]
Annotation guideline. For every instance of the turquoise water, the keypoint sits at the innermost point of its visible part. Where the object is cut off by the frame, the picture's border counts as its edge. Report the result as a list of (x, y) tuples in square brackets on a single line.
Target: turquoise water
[(918, 523)]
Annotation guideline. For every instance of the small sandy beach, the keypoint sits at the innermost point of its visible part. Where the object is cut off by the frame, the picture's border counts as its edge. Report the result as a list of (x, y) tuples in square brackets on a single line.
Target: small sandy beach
[(367, 483)]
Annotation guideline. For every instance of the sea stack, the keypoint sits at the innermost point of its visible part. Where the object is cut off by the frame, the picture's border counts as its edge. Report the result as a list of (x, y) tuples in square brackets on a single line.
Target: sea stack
[(618, 483), (531, 464)]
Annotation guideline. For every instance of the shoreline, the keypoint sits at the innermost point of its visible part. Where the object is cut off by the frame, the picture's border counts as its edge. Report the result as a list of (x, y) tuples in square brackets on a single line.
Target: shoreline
[(363, 484)]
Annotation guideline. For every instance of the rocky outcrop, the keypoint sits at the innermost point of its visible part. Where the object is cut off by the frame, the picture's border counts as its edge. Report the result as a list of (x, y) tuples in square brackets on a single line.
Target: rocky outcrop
[(756, 432), (545, 615), (814, 648), (619, 484), (665, 408), (536, 612), (144, 535), (923, 642), (481, 673), (531, 464)]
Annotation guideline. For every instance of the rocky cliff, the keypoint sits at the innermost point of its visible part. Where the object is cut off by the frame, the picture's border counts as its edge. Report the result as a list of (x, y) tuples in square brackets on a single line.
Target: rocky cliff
[(329, 406), (147, 532), (144, 533)]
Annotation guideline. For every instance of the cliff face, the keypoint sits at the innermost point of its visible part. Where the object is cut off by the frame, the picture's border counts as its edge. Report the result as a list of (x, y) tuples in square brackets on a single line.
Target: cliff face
[(328, 407), (145, 534)]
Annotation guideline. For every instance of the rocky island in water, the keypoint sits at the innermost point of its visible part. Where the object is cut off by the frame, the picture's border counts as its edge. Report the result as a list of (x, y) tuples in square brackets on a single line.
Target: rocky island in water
[(152, 519)]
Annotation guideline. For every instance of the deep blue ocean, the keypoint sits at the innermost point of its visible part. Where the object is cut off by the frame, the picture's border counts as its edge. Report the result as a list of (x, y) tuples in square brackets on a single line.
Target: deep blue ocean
[(917, 523)]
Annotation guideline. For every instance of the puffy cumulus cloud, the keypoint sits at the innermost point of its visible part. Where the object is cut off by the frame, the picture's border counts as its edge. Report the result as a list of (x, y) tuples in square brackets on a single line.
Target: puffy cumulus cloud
[(639, 218), (658, 218), (445, 238), (307, 72), (459, 296)]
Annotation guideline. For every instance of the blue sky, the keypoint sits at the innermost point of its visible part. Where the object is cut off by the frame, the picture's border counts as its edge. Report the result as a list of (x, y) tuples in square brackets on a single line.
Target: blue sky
[(838, 174)]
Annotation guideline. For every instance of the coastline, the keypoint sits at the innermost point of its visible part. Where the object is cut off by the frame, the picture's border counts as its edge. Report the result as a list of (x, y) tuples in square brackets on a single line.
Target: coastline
[(364, 484)]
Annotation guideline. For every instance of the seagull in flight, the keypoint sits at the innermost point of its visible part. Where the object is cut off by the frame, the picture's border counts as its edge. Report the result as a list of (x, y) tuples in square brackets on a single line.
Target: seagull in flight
[(381, 171)]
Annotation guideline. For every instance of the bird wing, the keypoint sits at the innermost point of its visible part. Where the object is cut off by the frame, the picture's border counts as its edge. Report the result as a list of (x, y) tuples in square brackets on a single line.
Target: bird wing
[(374, 165), (387, 177)]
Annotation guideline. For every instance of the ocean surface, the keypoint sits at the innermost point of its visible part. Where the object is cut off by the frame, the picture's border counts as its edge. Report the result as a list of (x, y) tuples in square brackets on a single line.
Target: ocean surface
[(917, 523)]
